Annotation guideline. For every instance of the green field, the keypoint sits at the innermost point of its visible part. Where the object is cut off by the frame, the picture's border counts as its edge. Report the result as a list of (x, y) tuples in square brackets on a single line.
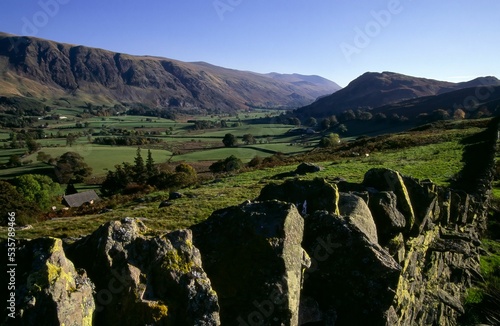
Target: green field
[(103, 158), (189, 145), (100, 158)]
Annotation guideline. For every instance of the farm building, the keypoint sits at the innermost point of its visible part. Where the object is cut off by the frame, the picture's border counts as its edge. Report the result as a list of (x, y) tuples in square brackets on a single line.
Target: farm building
[(77, 200)]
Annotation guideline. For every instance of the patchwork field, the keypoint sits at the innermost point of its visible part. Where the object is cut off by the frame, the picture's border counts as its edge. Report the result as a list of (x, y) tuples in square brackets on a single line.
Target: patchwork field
[(438, 160)]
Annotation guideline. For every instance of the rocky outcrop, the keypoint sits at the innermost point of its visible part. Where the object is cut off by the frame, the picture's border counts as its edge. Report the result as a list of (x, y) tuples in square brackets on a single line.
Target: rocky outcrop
[(357, 213), (352, 279), (50, 291), (389, 180), (308, 196), (388, 218), (158, 281), (252, 254), (423, 240)]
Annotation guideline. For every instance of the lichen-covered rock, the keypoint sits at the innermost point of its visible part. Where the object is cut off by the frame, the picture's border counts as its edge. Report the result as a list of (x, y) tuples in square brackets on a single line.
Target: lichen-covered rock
[(357, 212), (438, 267), (424, 199), (141, 280), (308, 195), (388, 180), (253, 256), (50, 290), (389, 220), (351, 277)]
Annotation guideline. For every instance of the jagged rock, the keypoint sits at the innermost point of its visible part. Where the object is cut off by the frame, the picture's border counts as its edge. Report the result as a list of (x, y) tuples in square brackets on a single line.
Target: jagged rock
[(307, 195), (305, 168), (349, 275), (436, 273), (388, 180), (450, 300), (156, 281), (396, 247), (49, 289), (459, 207), (451, 245), (388, 219), (424, 199), (357, 212), (253, 256)]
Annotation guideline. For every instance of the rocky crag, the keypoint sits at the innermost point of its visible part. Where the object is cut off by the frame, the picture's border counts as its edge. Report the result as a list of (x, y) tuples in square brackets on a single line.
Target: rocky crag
[(392, 250)]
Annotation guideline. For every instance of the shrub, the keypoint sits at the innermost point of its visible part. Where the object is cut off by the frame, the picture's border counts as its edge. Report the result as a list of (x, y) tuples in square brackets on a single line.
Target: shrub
[(231, 163), (255, 162), (329, 141)]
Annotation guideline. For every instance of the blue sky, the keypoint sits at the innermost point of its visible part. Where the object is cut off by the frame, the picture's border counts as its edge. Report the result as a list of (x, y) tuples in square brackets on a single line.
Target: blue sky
[(337, 39)]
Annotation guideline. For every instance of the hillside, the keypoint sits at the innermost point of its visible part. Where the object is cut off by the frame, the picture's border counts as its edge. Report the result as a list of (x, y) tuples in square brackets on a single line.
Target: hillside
[(40, 68), (466, 99), (373, 90)]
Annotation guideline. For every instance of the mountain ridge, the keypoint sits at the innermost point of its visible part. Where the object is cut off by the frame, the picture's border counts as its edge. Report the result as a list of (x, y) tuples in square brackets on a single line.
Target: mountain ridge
[(373, 90), (46, 69)]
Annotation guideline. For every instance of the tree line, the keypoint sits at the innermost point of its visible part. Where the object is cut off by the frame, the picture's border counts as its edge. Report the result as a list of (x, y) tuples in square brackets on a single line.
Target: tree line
[(142, 173)]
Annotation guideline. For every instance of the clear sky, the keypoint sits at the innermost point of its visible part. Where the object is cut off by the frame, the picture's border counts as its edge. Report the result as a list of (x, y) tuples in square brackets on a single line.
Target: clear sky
[(338, 39)]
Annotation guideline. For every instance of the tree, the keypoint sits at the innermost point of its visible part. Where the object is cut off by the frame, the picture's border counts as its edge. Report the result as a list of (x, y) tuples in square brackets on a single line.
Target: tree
[(333, 120), (37, 189), (71, 168), (116, 181), (311, 122), (347, 115), (380, 116), (140, 173), (151, 169), (231, 163), (185, 175), (294, 121), (325, 124), (365, 116), (229, 140), (249, 139), (43, 157), (12, 201), (32, 145), (440, 114), (329, 141), (14, 161), (459, 114), (71, 139), (342, 128)]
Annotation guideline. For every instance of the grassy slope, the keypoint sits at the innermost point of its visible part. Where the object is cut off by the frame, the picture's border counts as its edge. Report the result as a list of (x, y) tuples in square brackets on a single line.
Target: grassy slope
[(437, 161)]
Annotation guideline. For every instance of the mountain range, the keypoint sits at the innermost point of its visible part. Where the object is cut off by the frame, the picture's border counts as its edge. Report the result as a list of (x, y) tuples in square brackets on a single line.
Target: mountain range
[(43, 69), (39, 68)]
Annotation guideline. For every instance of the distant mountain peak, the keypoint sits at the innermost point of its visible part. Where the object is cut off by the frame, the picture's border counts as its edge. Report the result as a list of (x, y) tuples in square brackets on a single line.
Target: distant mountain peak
[(376, 89)]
